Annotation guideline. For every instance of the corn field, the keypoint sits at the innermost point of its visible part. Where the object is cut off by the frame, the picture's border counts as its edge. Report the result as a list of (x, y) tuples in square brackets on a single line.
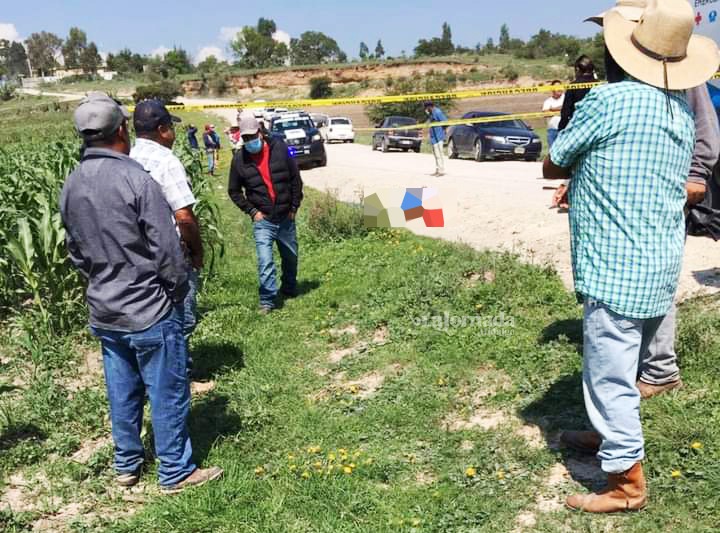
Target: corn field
[(35, 272)]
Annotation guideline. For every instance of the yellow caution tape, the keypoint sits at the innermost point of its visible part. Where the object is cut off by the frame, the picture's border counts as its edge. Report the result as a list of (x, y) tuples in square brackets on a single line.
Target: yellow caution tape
[(375, 100), (460, 121)]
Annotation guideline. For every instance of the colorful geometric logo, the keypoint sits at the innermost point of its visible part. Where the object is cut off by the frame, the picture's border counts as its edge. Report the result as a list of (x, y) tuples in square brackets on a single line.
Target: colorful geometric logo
[(698, 18), (713, 16), (395, 208)]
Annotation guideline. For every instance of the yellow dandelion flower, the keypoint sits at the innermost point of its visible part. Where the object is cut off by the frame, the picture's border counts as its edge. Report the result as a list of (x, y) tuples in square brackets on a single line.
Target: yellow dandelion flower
[(416, 522), (314, 449), (501, 474), (471, 472), (675, 474), (306, 474), (291, 457), (259, 471), (293, 468), (696, 445), (342, 451), (441, 382), (318, 465), (331, 457), (347, 470), (354, 389), (352, 465)]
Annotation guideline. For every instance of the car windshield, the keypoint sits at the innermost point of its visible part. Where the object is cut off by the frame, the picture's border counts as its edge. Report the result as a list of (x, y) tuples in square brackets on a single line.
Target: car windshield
[(394, 122), (504, 124), (340, 121), (297, 124)]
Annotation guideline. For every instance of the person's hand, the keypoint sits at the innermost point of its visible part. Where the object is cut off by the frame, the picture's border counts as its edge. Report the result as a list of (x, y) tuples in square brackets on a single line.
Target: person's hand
[(258, 217), (695, 193), (560, 198)]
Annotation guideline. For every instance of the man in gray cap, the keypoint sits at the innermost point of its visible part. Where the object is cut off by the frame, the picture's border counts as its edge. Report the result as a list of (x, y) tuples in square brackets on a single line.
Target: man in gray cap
[(121, 236), (265, 183)]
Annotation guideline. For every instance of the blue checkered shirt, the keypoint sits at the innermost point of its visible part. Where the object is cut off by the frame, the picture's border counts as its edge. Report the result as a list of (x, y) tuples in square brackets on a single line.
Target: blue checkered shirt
[(630, 159)]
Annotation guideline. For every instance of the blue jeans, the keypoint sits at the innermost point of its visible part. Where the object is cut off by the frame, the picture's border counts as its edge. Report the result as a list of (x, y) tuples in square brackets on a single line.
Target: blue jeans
[(211, 160), (190, 303), (611, 353), (154, 360), (266, 234), (552, 136)]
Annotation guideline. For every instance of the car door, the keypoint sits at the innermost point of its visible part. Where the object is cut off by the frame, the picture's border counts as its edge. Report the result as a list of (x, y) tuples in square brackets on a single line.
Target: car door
[(461, 136)]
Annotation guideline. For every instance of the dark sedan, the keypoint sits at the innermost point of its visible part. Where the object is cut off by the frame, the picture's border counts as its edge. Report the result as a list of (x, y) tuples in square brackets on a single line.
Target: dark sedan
[(507, 139), (397, 137)]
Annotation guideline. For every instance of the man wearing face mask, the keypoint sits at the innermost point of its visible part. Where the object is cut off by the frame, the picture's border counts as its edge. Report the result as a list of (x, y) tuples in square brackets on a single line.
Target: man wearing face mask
[(265, 183)]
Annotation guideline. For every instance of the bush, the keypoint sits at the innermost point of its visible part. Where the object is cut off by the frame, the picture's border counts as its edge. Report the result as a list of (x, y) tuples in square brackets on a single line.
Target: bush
[(166, 91), (510, 73), (7, 92), (320, 88), (329, 219), (218, 84), (423, 84)]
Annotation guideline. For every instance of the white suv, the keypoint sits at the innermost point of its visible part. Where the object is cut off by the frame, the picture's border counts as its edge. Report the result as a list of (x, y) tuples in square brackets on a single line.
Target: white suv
[(340, 129)]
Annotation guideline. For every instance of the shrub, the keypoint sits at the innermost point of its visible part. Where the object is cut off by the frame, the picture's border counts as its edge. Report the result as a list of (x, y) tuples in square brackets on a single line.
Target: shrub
[(218, 84), (509, 72), (329, 219), (320, 88), (7, 92), (166, 91), (424, 84)]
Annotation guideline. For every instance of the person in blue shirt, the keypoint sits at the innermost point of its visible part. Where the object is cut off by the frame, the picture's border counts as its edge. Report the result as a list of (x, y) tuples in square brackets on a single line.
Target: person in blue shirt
[(192, 139), (437, 136)]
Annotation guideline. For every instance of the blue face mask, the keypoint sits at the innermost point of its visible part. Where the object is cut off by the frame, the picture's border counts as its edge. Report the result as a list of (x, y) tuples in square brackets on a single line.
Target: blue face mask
[(254, 146)]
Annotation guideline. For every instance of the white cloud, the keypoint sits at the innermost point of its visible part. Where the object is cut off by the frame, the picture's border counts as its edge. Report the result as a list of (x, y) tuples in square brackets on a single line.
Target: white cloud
[(228, 33), (281, 37), (160, 51), (207, 51), (9, 31)]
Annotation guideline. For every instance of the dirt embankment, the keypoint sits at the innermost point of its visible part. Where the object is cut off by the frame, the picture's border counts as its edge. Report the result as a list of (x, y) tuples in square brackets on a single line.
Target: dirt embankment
[(248, 83)]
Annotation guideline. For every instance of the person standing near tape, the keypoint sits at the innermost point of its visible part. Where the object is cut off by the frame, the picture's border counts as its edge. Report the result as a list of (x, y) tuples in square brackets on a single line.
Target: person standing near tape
[(554, 103), (437, 136)]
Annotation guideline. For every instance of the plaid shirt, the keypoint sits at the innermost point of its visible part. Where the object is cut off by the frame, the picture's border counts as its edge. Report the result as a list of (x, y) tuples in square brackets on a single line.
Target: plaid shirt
[(630, 159), (167, 170)]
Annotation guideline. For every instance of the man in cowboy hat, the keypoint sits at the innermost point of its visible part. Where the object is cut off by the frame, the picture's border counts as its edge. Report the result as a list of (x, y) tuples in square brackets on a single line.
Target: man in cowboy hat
[(658, 370), (628, 151)]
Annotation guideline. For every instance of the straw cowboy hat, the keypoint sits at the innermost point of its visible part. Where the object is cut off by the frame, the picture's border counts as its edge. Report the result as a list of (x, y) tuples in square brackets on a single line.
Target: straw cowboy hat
[(629, 9), (660, 49)]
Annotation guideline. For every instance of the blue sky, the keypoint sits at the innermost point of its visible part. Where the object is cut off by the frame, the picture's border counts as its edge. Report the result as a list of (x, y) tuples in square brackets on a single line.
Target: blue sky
[(153, 25)]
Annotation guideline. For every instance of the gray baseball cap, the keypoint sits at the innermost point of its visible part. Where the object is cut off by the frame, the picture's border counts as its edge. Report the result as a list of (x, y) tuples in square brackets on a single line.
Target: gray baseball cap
[(248, 124), (98, 116)]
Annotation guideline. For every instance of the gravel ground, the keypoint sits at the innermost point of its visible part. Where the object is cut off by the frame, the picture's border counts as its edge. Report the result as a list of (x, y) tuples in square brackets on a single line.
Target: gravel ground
[(490, 205)]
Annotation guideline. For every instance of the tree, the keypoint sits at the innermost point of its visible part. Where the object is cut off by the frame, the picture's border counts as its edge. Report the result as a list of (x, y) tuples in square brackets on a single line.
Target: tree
[(431, 83), (490, 46), (364, 51), (504, 44), (178, 61), (43, 49), (14, 59), (437, 46), (74, 47), (209, 64), (125, 62), (90, 59), (255, 47), (314, 48), (379, 50)]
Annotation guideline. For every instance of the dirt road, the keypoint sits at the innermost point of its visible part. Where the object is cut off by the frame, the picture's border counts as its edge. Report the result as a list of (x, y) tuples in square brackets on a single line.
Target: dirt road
[(489, 206)]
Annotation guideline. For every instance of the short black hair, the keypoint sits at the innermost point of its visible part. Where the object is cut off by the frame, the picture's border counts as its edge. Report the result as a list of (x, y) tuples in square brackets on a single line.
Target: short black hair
[(585, 65), (556, 82)]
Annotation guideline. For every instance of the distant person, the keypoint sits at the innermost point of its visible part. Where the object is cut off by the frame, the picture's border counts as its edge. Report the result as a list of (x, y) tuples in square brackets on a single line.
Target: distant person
[(121, 236), (210, 149), (554, 103), (265, 183), (218, 144), (233, 135), (192, 137), (584, 73), (155, 130), (437, 136)]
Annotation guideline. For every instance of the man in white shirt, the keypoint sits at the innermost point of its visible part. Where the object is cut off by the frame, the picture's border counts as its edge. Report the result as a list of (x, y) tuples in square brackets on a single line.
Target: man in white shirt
[(155, 129), (554, 103)]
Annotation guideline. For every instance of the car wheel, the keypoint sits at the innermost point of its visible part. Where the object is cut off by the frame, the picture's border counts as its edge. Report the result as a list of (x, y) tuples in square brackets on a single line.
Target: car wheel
[(532, 159), (451, 151), (478, 151), (323, 161)]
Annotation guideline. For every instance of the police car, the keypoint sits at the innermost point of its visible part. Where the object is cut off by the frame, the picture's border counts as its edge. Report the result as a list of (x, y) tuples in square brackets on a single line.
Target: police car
[(302, 137)]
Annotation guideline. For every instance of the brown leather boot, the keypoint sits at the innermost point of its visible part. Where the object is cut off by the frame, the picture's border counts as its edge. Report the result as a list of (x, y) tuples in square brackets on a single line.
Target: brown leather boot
[(582, 441), (648, 391), (624, 492)]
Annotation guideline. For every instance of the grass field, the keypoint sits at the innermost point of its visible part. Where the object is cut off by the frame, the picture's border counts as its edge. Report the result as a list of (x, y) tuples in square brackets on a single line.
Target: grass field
[(359, 407)]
